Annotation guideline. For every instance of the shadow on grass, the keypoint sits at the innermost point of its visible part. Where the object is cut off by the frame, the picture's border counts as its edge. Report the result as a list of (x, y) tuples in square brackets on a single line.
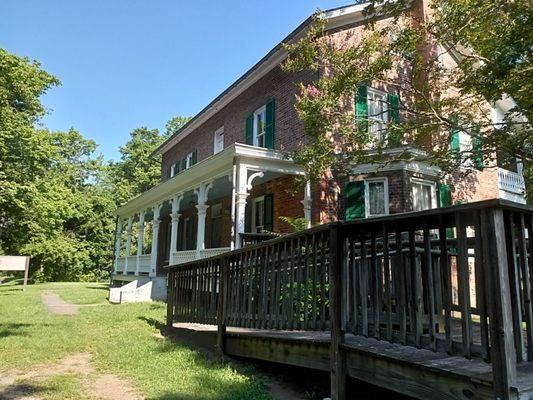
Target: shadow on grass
[(23, 390), (160, 326), (13, 329)]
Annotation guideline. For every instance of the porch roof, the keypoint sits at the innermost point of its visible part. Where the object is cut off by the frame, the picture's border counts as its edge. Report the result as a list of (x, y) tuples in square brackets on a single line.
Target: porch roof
[(215, 166)]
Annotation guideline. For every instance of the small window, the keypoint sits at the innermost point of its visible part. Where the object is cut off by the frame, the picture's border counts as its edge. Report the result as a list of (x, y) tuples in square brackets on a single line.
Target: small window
[(377, 197), (259, 127), (189, 160), (218, 141), (424, 195), (172, 170), (378, 116), (258, 213)]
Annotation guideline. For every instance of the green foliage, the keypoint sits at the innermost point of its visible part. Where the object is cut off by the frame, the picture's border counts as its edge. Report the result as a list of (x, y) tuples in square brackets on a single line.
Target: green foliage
[(33, 339), (297, 224), (175, 124), (491, 43), (57, 195)]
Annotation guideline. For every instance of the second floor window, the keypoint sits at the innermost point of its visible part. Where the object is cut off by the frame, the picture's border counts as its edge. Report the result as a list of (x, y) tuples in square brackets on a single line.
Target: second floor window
[(260, 128), (218, 141), (374, 110), (189, 160), (424, 194)]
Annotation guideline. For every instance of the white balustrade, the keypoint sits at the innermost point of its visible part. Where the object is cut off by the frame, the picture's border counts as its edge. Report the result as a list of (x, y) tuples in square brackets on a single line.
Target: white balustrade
[(510, 181), (144, 263), (181, 257)]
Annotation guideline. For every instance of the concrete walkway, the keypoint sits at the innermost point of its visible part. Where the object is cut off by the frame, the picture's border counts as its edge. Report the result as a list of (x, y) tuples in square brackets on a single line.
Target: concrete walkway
[(56, 305)]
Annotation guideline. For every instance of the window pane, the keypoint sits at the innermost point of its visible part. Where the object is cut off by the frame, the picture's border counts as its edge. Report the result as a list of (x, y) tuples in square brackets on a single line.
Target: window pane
[(421, 197), (376, 198)]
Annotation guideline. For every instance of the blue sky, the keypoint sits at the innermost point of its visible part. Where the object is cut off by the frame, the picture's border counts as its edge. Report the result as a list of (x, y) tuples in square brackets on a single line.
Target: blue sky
[(130, 63)]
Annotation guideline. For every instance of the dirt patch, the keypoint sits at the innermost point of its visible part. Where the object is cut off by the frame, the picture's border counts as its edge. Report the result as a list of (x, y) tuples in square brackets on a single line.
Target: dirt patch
[(56, 305), (17, 385)]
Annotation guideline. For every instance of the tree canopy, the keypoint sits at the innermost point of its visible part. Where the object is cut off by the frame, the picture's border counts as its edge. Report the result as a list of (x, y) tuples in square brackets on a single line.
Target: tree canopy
[(457, 58), (57, 194)]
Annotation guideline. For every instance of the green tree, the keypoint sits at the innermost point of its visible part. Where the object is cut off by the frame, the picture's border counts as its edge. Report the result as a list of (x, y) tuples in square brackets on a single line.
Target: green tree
[(491, 43), (175, 124)]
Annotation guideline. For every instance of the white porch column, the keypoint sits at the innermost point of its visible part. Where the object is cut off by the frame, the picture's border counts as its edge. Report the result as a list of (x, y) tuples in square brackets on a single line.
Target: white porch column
[(202, 207), (155, 237), (243, 186), (307, 202), (175, 216), (118, 244), (128, 243), (140, 240)]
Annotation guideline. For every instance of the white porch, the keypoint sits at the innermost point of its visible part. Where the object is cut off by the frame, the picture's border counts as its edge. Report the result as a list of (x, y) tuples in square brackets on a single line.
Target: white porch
[(167, 225)]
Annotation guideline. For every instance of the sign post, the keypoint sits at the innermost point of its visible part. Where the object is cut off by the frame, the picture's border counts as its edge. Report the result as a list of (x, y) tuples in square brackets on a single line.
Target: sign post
[(16, 263)]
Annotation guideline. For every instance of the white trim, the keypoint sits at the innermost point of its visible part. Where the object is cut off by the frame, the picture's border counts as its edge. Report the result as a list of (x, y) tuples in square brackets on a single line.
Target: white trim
[(424, 182), (420, 167), (385, 181), (209, 169)]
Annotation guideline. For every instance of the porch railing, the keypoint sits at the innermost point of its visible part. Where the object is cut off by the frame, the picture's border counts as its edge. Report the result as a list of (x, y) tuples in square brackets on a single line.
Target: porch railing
[(456, 280), (510, 181)]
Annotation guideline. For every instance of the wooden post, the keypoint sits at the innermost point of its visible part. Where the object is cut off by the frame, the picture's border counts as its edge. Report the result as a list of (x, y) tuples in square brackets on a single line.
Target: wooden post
[(26, 272), (497, 287), (337, 356), (221, 305), (171, 288)]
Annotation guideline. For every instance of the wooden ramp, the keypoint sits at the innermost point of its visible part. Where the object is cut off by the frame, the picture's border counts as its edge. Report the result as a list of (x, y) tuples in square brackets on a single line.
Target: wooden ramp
[(420, 373), (434, 304)]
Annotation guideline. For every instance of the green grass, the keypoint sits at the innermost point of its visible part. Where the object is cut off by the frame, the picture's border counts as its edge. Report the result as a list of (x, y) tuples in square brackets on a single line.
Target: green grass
[(121, 339)]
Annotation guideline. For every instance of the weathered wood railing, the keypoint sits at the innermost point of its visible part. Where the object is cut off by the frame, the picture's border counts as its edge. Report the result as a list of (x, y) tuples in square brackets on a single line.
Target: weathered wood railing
[(456, 280)]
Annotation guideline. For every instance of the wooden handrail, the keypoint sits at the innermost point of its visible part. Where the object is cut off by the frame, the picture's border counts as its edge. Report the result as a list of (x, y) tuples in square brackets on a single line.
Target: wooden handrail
[(416, 279)]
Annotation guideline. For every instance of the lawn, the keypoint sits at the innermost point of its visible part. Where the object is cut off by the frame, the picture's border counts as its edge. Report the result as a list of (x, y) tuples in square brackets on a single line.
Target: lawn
[(122, 340)]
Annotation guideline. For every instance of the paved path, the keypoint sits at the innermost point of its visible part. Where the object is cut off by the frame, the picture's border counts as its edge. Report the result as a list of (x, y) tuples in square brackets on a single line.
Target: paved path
[(56, 305)]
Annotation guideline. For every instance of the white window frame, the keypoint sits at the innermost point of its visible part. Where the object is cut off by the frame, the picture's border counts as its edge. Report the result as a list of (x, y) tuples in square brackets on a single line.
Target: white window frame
[(173, 170), (424, 182), (218, 140), (188, 160), (256, 134), (382, 119), (385, 181), (256, 200)]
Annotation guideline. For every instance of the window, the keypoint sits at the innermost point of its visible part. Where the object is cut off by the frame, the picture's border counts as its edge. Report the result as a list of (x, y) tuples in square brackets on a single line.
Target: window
[(368, 198), (377, 196), (259, 127), (258, 213), (424, 195), (172, 170), (189, 160), (218, 140), (377, 114)]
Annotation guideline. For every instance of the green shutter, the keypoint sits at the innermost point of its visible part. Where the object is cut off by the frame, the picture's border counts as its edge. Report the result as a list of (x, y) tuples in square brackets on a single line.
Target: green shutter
[(194, 157), (176, 168), (477, 149), (270, 124), (249, 130), (445, 195), (361, 108), (454, 135), (184, 164), (355, 200), (394, 107), (268, 210)]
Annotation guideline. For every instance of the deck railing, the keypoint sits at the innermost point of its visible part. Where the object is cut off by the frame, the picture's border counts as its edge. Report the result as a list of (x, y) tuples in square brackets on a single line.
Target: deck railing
[(456, 280)]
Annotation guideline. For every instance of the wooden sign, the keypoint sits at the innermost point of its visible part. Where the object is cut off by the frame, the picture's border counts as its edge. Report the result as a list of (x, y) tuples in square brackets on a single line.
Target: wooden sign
[(16, 263)]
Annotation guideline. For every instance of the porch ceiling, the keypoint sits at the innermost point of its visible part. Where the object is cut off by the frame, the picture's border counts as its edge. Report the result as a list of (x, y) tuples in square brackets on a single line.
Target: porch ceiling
[(217, 169)]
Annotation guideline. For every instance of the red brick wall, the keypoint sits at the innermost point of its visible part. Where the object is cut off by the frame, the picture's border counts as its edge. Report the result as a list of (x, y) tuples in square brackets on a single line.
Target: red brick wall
[(286, 202), (289, 132)]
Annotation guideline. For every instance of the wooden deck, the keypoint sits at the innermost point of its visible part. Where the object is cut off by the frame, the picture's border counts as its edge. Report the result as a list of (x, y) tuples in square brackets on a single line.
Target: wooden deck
[(434, 305)]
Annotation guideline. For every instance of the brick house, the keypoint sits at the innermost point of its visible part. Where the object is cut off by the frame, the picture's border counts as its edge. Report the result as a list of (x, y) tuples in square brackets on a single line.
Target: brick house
[(226, 181)]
